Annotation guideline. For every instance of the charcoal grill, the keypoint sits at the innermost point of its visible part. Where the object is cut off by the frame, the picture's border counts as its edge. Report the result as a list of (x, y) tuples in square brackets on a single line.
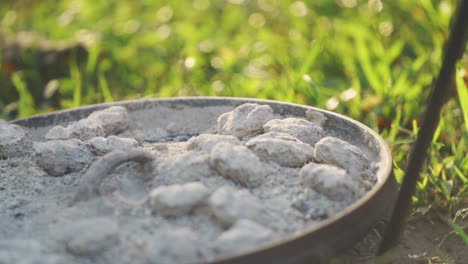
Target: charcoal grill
[(342, 231)]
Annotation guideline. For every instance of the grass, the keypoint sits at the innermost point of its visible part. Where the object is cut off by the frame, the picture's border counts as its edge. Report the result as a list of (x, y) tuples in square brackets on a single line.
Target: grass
[(371, 60)]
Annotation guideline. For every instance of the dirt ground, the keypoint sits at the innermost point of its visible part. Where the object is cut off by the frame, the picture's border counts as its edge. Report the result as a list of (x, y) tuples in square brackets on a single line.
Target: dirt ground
[(426, 239)]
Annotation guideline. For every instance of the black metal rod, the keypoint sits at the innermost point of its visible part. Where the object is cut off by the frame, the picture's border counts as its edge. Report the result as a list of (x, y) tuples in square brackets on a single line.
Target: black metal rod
[(452, 52)]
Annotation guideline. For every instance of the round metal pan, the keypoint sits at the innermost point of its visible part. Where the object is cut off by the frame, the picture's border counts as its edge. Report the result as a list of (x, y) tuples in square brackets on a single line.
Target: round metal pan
[(311, 245)]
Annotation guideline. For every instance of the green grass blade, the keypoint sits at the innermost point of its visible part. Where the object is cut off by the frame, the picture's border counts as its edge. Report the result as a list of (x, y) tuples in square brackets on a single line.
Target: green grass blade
[(460, 174), (437, 131), (77, 78), (105, 88), (462, 91), (393, 52), (92, 59), (415, 128), (459, 232), (25, 101), (364, 60), (394, 127)]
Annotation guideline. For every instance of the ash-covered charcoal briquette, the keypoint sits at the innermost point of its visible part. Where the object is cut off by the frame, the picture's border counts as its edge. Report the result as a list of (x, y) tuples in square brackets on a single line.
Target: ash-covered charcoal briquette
[(246, 120), (58, 157), (113, 119), (237, 163), (206, 142), (101, 145), (243, 235), (299, 128), (330, 181), (172, 245), (189, 166), (315, 117), (281, 148), (338, 152), (98, 124), (84, 130), (59, 133), (177, 199), (229, 205), (14, 141), (88, 237)]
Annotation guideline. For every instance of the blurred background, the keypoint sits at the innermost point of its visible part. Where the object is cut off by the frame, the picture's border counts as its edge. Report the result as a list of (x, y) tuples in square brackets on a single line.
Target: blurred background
[(371, 60)]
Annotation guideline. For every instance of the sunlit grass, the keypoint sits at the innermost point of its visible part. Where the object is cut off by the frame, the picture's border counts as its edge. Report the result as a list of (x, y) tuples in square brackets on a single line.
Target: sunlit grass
[(371, 60)]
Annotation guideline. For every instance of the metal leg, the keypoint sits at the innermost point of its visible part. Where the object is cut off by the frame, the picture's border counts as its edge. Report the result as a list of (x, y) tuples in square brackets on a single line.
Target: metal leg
[(453, 51)]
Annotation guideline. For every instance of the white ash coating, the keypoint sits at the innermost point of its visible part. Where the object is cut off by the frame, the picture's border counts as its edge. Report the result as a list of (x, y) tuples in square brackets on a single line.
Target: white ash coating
[(14, 141), (316, 206), (101, 145), (247, 119), (303, 130), (244, 199), (189, 166), (153, 135), (58, 157), (26, 251), (177, 199), (237, 163), (330, 181), (315, 117), (171, 127), (170, 245), (84, 130), (206, 142), (88, 237), (229, 205), (59, 133), (113, 119), (281, 148), (98, 124), (338, 152), (243, 235), (91, 180)]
